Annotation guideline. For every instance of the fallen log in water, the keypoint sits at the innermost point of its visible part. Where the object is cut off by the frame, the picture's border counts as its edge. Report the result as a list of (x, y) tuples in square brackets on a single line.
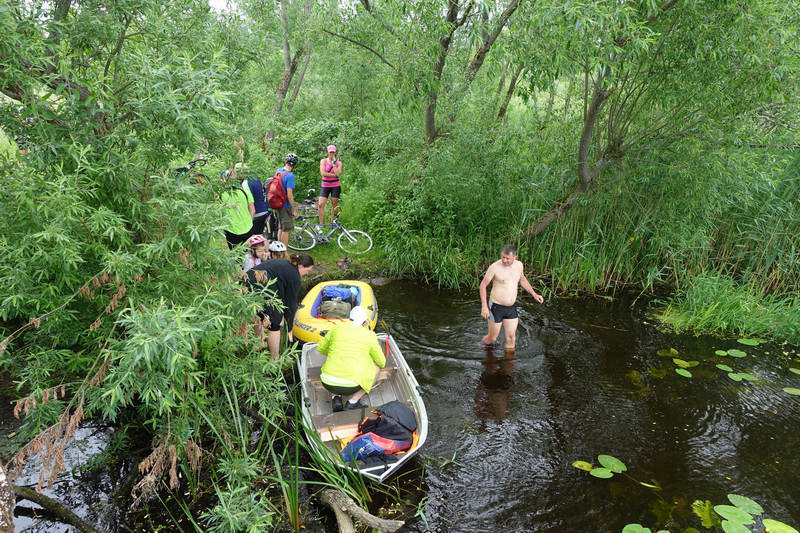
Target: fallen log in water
[(58, 511), (346, 509)]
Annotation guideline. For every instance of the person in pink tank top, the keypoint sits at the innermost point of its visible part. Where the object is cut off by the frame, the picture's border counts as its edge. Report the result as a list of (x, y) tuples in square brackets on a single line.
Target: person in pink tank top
[(330, 168)]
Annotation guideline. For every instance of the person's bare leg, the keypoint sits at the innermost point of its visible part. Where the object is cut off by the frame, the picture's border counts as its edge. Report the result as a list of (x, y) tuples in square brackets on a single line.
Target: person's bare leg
[(274, 343), (284, 237), (510, 328), (321, 209), (494, 331), (259, 332), (357, 396), (334, 207)]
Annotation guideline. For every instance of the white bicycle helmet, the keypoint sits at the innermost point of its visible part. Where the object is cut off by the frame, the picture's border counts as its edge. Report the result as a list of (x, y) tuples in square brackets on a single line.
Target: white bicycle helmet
[(277, 246)]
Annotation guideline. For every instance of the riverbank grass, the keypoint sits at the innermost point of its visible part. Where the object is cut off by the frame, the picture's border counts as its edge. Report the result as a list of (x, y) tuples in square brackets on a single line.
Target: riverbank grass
[(714, 303)]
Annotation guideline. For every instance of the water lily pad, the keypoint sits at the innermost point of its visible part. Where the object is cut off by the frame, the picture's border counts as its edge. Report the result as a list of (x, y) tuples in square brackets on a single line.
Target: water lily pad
[(702, 509), (602, 473), (683, 372), (726, 368), (735, 377), (745, 504), (795, 370), (721, 353), (653, 485), (791, 390), (583, 465), (747, 377), (667, 352), (776, 526), (685, 364), (612, 463), (658, 373), (734, 514), (737, 353), (749, 342), (733, 527), (635, 528)]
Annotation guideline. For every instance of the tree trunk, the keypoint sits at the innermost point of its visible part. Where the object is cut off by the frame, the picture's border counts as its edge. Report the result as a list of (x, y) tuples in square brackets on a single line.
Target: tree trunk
[(488, 41), (551, 100), (509, 93), (290, 65), (287, 52), (300, 77), (280, 95), (306, 59), (438, 69), (586, 172), (55, 508), (502, 84), (568, 98), (345, 508), (7, 503)]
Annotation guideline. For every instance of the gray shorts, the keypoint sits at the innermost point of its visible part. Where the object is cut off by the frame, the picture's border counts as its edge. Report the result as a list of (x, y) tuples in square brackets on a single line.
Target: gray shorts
[(285, 218)]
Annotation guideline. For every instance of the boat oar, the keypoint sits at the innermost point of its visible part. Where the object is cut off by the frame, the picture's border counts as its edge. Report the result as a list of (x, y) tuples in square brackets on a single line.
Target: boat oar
[(386, 329)]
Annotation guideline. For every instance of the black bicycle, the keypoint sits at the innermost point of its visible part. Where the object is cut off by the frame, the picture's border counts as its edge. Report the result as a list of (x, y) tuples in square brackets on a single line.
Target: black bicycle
[(190, 166)]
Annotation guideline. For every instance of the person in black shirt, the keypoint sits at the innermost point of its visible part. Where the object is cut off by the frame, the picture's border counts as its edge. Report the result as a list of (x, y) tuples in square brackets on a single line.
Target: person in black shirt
[(287, 285)]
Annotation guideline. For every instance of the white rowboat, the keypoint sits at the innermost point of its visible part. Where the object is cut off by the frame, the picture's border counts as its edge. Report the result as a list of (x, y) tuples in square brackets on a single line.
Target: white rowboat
[(397, 382)]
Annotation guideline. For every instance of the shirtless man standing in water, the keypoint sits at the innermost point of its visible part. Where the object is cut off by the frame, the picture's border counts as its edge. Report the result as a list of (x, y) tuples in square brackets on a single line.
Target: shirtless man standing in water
[(504, 275)]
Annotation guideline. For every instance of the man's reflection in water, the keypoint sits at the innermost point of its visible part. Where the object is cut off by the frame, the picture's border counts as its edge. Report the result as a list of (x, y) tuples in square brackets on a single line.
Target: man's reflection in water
[(493, 394)]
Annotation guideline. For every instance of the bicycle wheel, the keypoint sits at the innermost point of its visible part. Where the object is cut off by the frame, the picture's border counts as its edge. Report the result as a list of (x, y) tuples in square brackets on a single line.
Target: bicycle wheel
[(354, 241), (301, 239)]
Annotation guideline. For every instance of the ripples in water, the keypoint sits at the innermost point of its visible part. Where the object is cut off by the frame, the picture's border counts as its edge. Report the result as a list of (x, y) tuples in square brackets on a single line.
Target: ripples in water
[(586, 380)]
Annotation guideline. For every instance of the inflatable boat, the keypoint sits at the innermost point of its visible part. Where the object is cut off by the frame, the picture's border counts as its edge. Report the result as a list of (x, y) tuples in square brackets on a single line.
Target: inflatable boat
[(329, 303)]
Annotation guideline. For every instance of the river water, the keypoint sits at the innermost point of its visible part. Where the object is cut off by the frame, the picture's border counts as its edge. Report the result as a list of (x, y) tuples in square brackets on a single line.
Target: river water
[(586, 380)]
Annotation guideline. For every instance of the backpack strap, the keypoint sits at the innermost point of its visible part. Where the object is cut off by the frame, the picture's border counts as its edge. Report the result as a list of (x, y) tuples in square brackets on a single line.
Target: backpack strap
[(241, 190)]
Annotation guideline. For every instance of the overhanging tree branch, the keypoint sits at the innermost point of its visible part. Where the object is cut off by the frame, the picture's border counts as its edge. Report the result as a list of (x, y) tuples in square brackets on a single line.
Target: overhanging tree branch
[(586, 171), (362, 45), (480, 55)]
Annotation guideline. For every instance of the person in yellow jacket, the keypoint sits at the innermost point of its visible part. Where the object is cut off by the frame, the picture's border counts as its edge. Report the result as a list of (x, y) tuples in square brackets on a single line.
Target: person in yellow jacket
[(354, 358)]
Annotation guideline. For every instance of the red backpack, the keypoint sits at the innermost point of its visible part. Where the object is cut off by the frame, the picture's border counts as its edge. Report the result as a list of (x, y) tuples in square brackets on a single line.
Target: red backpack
[(276, 193)]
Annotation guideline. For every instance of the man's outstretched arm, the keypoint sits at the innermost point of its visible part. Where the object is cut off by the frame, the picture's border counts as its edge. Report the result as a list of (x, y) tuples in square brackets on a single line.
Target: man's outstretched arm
[(527, 286)]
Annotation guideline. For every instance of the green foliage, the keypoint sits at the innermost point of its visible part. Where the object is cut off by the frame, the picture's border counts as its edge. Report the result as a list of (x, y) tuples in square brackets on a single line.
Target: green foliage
[(114, 280), (240, 509), (717, 303)]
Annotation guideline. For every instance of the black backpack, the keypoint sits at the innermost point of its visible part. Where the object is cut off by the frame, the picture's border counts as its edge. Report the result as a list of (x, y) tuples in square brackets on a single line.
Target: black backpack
[(391, 420)]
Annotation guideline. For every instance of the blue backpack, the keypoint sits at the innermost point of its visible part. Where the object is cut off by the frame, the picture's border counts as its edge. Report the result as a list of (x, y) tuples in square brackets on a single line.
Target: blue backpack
[(346, 294)]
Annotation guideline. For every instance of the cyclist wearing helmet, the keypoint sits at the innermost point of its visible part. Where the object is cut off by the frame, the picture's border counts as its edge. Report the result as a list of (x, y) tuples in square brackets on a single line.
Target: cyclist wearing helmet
[(287, 285), (239, 209), (286, 214), (257, 252), (277, 250)]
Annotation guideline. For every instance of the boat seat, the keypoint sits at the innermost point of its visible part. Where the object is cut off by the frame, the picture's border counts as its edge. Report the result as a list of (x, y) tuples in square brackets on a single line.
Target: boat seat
[(342, 418), (315, 371), (335, 426)]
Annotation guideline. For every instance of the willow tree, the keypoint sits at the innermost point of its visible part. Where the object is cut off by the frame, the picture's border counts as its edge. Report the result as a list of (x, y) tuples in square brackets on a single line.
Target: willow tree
[(435, 49), (115, 301), (653, 73)]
